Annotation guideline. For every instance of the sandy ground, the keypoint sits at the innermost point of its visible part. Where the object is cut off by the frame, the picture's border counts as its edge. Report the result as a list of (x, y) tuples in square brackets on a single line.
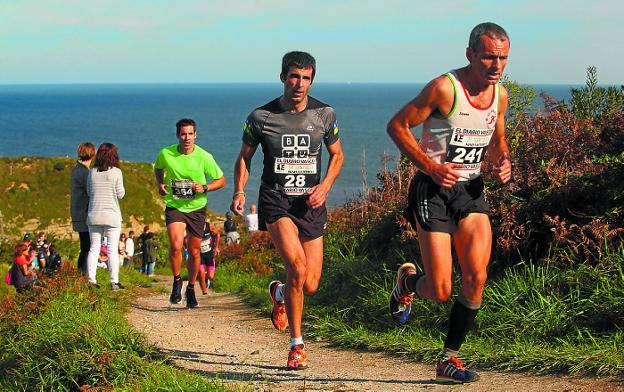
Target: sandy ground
[(226, 339)]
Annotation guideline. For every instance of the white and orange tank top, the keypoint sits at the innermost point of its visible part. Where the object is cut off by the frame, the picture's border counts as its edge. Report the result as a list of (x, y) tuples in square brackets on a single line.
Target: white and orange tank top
[(462, 136)]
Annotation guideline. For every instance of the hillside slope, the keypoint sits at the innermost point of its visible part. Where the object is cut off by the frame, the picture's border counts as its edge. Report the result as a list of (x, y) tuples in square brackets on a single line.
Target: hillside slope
[(34, 195)]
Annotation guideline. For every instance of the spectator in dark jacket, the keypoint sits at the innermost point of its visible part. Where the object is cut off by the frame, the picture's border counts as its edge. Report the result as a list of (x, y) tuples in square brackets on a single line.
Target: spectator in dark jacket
[(229, 226), (80, 201), (150, 249)]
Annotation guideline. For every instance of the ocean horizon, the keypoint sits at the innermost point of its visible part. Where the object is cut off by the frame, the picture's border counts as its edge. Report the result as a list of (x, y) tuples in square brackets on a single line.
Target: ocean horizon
[(50, 120)]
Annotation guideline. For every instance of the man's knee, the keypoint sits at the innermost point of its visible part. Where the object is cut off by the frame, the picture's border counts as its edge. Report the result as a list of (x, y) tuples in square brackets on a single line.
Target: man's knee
[(175, 249), (195, 255), (310, 288), (296, 274), (474, 283), (442, 292)]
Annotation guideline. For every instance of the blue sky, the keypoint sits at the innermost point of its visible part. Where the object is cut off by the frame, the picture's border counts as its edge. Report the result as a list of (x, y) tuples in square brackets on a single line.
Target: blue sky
[(124, 41)]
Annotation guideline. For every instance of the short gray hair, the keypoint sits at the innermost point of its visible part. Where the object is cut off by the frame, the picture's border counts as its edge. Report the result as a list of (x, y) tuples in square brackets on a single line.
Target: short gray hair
[(490, 29)]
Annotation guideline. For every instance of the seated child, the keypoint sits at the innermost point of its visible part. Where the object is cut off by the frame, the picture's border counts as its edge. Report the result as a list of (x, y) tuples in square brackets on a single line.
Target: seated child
[(22, 276)]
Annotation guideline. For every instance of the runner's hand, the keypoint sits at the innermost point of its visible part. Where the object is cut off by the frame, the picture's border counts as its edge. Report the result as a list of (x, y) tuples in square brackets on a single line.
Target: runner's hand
[(238, 204), (318, 195), (217, 251), (503, 170), (445, 175), (198, 188), (162, 189)]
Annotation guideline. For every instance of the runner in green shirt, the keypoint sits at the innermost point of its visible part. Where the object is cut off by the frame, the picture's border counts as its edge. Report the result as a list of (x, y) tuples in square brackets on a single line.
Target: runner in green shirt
[(185, 173)]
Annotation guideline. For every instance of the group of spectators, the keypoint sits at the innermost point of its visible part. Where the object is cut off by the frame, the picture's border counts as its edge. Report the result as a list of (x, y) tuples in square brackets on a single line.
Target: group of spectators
[(125, 251), (96, 216), (30, 260), (95, 194)]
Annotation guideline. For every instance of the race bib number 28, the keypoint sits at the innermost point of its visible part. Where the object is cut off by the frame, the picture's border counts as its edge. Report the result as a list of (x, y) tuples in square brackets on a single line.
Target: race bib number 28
[(182, 189), (296, 169)]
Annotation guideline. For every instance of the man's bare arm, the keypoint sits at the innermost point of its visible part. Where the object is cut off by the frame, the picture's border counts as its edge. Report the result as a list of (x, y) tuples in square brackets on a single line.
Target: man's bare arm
[(241, 176), (437, 95), (498, 149), (160, 180), (318, 193)]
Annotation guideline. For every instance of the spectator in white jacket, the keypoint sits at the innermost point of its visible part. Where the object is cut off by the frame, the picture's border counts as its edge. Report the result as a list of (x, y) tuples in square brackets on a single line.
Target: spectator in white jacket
[(105, 188)]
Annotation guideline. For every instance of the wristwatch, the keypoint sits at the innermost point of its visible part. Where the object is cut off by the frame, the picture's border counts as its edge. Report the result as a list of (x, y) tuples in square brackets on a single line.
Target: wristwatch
[(205, 188)]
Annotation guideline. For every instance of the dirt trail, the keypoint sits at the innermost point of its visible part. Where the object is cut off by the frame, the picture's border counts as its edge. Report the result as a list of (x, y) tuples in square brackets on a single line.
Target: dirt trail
[(226, 339)]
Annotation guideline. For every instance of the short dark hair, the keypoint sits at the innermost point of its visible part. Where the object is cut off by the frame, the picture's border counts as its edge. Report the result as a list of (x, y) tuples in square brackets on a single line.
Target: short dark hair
[(183, 123), (107, 157), (299, 60), (490, 29)]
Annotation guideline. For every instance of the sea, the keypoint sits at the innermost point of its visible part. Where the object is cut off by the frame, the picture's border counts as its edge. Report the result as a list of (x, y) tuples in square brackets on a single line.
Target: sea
[(51, 120)]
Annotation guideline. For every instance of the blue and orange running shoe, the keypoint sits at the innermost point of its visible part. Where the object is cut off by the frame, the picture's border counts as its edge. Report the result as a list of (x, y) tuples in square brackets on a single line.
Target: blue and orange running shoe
[(401, 297), (452, 371), (278, 315), (297, 358)]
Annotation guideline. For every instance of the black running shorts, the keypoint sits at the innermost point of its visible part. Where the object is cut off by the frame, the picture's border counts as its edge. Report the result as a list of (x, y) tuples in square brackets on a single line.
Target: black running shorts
[(273, 205), (208, 259), (194, 220), (439, 209)]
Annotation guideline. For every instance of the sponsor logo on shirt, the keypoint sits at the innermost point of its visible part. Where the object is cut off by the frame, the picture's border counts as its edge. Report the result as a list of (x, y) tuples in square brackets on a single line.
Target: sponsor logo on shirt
[(295, 146), (490, 119)]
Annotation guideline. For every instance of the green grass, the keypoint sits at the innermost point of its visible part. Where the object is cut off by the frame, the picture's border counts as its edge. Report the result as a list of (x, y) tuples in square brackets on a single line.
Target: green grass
[(544, 319), (69, 335), (4, 288)]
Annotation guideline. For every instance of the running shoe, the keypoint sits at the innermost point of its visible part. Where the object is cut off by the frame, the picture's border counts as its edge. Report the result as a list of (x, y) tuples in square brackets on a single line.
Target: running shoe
[(176, 292), (117, 286), (401, 298), (191, 301), (297, 358), (278, 316), (452, 371)]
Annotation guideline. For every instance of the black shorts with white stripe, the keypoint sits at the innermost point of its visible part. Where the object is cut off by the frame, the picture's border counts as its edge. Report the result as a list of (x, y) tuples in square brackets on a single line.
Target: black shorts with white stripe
[(439, 209)]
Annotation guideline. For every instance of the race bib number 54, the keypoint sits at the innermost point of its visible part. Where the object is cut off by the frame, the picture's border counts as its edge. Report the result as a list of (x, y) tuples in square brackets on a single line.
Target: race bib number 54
[(182, 189)]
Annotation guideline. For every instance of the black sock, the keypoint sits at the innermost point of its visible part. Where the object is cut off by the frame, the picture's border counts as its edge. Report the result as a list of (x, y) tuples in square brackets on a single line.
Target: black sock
[(190, 286), (177, 278), (461, 321)]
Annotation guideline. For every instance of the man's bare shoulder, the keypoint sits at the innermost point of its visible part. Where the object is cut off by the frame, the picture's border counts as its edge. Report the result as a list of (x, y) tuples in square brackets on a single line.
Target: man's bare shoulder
[(502, 92), (440, 89), (438, 94)]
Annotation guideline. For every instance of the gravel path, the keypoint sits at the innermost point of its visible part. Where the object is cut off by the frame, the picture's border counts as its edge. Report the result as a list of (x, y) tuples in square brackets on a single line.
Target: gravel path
[(226, 339)]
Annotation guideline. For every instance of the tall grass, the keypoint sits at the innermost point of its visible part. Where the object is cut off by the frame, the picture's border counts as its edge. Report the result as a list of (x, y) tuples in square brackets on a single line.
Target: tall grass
[(544, 319), (69, 336)]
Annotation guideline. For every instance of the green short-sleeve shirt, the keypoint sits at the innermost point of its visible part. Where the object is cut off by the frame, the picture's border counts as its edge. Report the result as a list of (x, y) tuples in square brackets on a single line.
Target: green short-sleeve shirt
[(181, 170)]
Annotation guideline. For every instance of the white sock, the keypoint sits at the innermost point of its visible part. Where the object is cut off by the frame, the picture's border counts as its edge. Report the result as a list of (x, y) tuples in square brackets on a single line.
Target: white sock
[(448, 353), (279, 293), (296, 341)]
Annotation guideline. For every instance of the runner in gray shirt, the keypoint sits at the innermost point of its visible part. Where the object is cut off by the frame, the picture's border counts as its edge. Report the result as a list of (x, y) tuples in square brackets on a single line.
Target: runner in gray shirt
[(291, 205)]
